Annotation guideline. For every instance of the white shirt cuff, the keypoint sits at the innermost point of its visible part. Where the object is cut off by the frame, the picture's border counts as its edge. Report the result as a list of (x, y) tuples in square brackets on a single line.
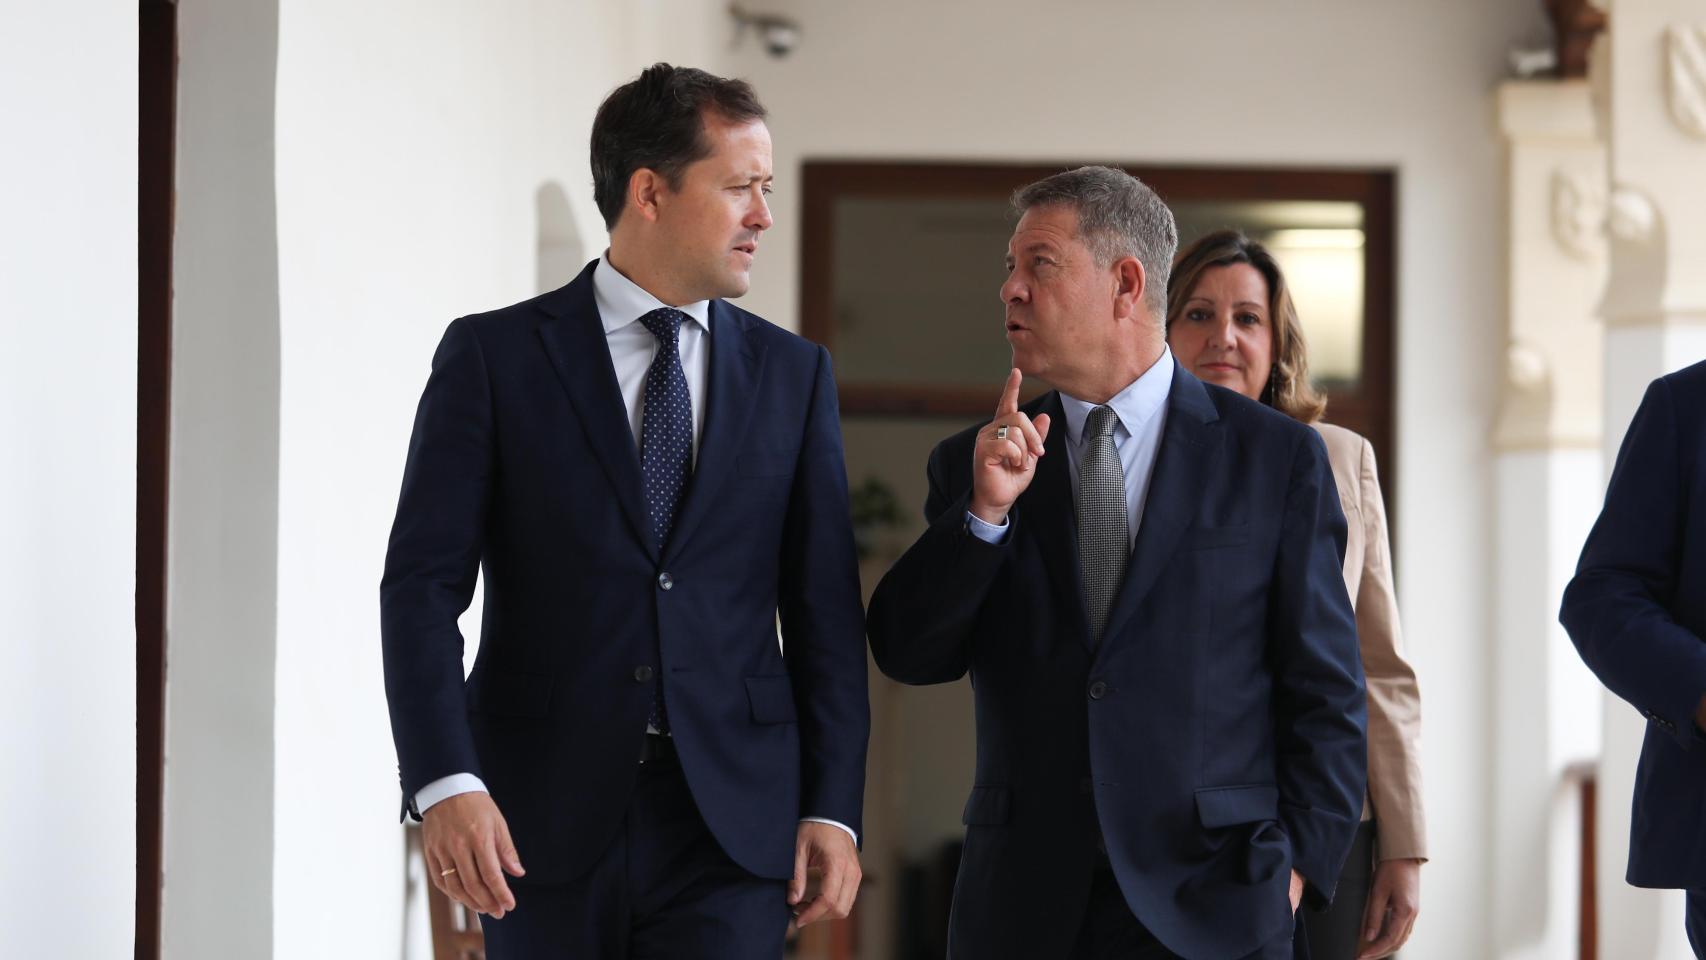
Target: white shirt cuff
[(446, 787), (984, 530), (833, 823)]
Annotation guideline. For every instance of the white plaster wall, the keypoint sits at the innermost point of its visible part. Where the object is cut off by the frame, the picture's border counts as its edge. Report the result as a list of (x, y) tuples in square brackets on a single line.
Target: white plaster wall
[(68, 479), (412, 143), (1318, 82), (1545, 713)]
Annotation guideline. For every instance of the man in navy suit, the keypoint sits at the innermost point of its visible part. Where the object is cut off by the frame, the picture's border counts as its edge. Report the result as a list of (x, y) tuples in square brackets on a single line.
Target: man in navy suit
[(648, 477), (1637, 612), (1141, 572)]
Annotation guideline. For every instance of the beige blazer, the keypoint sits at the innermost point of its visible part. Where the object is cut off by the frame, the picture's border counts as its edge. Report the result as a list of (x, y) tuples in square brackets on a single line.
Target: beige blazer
[(1394, 703)]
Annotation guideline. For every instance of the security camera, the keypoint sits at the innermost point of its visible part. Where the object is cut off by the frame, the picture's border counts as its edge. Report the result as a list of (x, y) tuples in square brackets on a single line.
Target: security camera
[(779, 34)]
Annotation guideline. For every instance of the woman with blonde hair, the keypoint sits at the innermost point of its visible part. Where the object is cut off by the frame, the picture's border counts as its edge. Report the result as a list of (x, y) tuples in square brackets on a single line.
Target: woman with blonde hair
[(1231, 321)]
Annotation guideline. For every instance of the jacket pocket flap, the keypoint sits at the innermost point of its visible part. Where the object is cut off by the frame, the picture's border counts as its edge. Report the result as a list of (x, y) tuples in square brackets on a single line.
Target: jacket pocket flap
[(772, 699), (1225, 806), (512, 694), (987, 805)]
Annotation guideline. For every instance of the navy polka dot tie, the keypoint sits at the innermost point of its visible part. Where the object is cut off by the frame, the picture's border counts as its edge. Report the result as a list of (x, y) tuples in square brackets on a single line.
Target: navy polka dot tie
[(666, 448)]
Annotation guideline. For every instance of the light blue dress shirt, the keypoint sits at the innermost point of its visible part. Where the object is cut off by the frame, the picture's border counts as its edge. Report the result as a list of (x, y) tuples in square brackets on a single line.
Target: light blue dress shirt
[(1142, 411)]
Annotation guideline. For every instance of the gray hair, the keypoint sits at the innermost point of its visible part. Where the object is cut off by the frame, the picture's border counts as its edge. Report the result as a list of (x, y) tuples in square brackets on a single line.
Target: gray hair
[(1118, 216)]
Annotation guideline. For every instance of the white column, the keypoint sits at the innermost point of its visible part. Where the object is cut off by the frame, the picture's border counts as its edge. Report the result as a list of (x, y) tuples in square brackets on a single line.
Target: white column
[(1650, 93), (221, 610), (1547, 466)]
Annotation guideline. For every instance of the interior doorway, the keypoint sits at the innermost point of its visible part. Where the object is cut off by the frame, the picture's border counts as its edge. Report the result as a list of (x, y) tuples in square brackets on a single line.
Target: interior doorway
[(900, 276)]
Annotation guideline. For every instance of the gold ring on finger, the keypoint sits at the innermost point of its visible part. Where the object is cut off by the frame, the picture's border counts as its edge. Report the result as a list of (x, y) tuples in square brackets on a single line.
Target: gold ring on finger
[(446, 873), (1001, 432)]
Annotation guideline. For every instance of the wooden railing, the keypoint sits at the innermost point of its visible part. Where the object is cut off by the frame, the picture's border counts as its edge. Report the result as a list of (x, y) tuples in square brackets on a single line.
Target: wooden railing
[(1585, 777)]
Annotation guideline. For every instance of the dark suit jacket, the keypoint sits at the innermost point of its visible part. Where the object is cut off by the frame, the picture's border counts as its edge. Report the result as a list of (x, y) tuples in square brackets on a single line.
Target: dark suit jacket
[(523, 463), (1637, 612), (1215, 736)]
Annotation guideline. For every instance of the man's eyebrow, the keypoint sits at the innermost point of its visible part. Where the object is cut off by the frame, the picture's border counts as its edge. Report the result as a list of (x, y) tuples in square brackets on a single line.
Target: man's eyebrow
[(1031, 247)]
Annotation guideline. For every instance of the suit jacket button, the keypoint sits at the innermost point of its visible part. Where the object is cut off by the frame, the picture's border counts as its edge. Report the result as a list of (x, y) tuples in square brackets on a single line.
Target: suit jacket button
[(1098, 690), (665, 581), (642, 674)]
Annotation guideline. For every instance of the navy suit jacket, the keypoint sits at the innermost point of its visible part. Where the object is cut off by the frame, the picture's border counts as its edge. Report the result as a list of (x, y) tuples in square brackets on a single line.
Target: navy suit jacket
[(1215, 736), (523, 464), (1637, 612)]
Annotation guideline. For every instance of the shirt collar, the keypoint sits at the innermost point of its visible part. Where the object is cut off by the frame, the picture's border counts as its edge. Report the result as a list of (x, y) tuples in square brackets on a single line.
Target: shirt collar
[(621, 301), (1140, 400)]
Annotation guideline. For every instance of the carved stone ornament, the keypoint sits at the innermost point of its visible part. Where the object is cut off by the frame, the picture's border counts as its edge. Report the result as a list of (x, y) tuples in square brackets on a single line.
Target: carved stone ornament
[(1632, 215), (1526, 369), (1685, 66), (1578, 213)]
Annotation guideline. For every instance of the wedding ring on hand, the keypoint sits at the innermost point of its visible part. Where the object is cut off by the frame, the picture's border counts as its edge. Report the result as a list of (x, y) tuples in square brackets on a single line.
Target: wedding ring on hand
[(1001, 432), (446, 873)]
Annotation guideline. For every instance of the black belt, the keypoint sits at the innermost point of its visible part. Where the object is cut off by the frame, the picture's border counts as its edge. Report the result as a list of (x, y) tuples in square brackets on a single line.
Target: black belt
[(656, 747)]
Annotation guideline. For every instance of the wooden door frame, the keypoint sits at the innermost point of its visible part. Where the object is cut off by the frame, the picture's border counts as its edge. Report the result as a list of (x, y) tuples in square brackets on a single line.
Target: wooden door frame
[(156, 162)]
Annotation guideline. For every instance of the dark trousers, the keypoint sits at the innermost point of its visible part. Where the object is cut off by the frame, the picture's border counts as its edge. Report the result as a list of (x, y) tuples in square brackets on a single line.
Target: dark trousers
[(1697, 922), (1335, 932), (1110, 930), (664, 890)]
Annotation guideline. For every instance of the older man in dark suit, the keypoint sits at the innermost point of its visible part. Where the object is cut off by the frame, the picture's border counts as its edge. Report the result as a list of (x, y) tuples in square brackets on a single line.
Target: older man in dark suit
[(1141, 573)]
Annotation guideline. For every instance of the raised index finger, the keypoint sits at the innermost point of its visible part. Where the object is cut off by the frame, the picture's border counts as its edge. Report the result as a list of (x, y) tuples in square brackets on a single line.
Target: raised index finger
[(1009, 394)]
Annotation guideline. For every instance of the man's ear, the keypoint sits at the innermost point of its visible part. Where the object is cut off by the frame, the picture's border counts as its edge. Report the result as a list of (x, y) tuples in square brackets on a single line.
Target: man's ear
[(645, 187), (1130, 284)]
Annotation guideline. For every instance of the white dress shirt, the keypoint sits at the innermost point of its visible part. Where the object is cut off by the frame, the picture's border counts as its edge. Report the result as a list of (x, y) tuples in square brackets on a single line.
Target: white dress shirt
[(621, 303), (1141, 409)]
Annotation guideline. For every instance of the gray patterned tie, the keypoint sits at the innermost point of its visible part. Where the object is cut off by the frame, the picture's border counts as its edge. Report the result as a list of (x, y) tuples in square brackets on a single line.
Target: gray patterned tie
[(1103, 540)]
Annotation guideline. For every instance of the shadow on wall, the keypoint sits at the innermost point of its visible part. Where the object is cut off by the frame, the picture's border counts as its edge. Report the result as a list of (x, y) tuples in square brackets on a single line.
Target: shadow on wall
[(560, 248)]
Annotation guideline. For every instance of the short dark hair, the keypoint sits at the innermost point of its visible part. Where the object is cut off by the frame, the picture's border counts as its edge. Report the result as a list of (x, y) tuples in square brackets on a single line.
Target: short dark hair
[(656, 122)]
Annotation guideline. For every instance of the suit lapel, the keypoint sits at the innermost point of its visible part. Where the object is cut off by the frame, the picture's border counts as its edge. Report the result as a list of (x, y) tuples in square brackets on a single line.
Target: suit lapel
[(573, 337), (1048, 511), (737, 361), (1190, 444)]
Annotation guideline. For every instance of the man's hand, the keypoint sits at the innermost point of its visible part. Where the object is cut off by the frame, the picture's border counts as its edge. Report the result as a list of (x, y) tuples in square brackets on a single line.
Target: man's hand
[(1392, 906), (828, 850), (1296, 890), (1003, 467), (468, 851)]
